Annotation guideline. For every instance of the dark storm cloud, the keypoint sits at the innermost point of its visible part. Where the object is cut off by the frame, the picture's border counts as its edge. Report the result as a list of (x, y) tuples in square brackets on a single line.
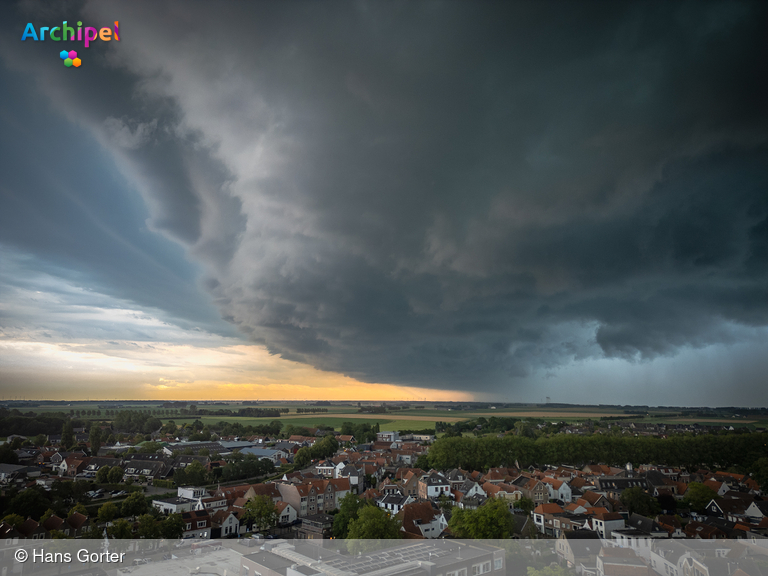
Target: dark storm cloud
[(451, 194)]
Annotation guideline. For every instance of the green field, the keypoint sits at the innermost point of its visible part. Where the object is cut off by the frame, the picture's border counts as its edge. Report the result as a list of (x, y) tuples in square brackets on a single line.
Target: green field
[(408, 419)]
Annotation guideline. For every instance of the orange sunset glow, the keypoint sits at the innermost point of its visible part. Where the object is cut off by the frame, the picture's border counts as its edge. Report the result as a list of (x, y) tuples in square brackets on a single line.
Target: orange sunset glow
[(163, 371)]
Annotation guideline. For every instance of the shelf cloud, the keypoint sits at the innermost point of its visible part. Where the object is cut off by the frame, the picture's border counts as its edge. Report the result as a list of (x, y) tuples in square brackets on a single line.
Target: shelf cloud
[(453, 196)]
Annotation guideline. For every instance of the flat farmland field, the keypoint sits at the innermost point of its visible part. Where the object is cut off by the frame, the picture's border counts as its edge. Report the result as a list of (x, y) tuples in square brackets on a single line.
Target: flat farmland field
[(549, 414), (410, 416), (407, 419), (699, 420)]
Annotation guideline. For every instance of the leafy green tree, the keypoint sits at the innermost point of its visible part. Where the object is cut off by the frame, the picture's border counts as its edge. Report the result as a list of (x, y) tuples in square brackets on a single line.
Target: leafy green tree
[(102, 476), (349, 506), (95, 438), (30, 502), (14, 520), (107, 512), (135, 505), (422, 462), (7, 455), (39, 440), (115, 475), (80, 489), (492, 520), (120, 529), (172, 527), (260, 512), (195, 474), (148, 527), (67, 434), (78, 508), (93, 532), (325, 447), (444, 503), (48, 513), (62, 491), (638, 501), (698, 496), (526, 504), (302, 457), (150, 447), (760, 473), (373, 523), (151, 425)]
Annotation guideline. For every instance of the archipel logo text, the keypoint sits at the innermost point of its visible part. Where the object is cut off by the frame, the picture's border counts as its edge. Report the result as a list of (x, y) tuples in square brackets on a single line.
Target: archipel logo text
[(66, 33)]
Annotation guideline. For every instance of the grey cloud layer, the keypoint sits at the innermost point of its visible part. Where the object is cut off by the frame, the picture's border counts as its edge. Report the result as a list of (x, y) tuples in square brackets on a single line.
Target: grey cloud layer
[(451, 195)]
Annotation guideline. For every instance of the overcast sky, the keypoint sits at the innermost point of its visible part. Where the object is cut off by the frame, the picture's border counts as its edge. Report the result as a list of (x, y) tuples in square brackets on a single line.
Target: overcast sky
[(490, 200)]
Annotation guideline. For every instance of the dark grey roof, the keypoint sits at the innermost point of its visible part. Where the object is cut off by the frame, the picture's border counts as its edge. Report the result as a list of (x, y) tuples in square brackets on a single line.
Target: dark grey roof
[(435, 479), (643, 524), (655, 478), (349, 470), (143, 457), (619, 483), (456, 475), (394, 499)]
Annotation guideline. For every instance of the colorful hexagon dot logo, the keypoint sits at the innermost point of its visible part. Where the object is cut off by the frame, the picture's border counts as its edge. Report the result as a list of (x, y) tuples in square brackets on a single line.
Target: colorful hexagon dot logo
[(70, 59)]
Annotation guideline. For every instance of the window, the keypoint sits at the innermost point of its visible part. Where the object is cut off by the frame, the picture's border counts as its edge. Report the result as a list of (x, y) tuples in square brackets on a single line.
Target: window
[(201, 523), (189, 525)]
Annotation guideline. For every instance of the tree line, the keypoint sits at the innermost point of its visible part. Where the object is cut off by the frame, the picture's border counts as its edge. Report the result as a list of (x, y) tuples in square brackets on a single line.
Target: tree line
[(741, 451), (67, 499), (31, 424)]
